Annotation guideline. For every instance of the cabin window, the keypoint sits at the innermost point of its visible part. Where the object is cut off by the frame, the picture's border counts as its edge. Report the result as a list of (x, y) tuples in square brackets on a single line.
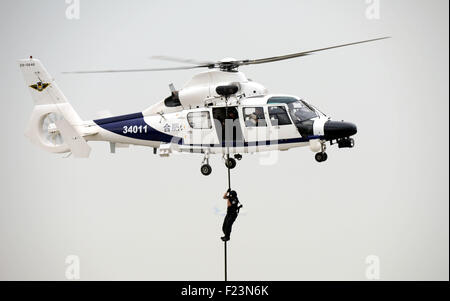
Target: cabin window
[(278, 116), (199, 120), (254, 117)]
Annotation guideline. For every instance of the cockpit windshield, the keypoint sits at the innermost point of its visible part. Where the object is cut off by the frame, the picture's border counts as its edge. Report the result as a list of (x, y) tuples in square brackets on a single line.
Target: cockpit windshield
[(298, 109), (301, 111)]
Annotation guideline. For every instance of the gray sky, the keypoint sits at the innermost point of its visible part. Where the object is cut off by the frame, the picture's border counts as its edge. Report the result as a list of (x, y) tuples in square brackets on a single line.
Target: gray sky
[(135, 216)]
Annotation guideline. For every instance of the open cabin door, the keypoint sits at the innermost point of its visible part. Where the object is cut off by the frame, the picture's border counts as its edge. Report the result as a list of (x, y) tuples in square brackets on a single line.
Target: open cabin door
[(228, 126)]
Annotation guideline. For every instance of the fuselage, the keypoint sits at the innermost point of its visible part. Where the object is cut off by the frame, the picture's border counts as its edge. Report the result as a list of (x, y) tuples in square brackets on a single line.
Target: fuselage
[(262, 123)]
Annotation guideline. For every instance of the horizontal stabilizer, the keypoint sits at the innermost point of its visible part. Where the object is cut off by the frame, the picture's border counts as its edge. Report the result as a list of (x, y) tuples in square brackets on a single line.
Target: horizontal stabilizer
[(78, 146)]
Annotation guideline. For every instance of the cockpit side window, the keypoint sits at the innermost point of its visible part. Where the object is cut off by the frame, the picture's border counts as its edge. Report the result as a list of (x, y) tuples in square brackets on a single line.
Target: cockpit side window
[(278, 116), (199, 120), (254, 117), (298, 109)]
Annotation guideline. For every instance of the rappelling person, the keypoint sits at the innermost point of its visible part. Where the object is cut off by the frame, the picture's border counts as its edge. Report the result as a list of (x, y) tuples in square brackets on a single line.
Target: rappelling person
[(233, 207)]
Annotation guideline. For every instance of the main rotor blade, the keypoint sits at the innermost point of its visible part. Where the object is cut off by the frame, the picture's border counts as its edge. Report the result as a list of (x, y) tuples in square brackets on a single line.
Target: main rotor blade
[(138, 70), (182, 60), (224, 65), (299, 54)]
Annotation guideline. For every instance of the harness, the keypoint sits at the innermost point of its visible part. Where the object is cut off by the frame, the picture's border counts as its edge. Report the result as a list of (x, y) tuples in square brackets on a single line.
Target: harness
[(235, 205)]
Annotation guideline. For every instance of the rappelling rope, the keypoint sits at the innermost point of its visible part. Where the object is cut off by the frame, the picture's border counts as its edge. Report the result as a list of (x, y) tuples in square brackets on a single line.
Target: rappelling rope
[(228, 148), (229, 178), (225, 246)]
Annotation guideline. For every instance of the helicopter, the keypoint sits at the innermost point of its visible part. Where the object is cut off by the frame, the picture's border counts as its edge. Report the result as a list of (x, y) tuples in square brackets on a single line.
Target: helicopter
[(218, 111)]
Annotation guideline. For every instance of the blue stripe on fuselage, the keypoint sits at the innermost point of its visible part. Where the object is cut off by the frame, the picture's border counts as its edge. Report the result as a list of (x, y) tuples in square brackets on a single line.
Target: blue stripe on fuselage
[(134, 126), (118, 118)]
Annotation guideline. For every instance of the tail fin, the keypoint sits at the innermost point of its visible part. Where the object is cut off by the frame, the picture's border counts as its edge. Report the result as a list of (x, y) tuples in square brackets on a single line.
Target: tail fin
[(50, 106)]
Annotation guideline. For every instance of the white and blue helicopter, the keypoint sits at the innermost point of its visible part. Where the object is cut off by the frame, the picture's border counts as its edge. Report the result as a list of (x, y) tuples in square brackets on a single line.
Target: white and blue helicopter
[(219, 111)]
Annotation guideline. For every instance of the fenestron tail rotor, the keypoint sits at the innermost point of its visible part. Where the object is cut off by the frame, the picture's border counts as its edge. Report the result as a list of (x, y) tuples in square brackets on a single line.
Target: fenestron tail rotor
[(228, 64), (50, 132)]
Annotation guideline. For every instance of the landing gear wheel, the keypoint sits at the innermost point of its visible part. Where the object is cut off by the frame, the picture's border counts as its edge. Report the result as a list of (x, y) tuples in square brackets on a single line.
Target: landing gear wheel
[(238, 157), (206, 169), (230, 163), (352, 142), (321, 157)]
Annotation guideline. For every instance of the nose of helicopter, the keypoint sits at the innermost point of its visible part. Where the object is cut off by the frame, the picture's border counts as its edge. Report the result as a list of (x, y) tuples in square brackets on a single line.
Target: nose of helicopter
[(339, 129)]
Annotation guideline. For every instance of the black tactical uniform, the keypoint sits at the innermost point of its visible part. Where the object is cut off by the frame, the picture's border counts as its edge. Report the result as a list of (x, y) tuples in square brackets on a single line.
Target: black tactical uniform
[(232, 213)]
